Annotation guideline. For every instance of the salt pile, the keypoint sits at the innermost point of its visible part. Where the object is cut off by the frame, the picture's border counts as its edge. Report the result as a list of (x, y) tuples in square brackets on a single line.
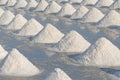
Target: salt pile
[(17, 64), (53, 8), (3, 53), (80, 12), (31, 4), (116, 5), (1, 11), (42, 5), (11, 2), (101, 54), (3, 2), (6, 18), (58, 74), (31, 28), (111, 19), (18, 22), (67, 10), (75, 1), (94, 15), (89, 2), (21, 4), (49, 34)]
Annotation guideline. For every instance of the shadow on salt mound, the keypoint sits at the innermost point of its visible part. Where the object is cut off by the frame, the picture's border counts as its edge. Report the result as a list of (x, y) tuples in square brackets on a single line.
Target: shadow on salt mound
[(31, 5), (21, 4), (3, 2), (115, 5), (11, 3), (3, 53), (89, 2)]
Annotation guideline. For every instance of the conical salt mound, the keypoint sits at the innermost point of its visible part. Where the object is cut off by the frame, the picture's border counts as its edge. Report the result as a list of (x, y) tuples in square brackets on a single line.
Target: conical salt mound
[(31, 4), (101, 54), (58, 74), (21, 4), (111, 19), (104, 3), (94, 15), (42, 5), (49, 34), (80, 12), (3, 53), (116, 5), (75, 1), (67, 10), (31, 28), (11, 2), (1, 11), (3, 2), (17, 64), (53, 8), (89, 2), (6, 18), (18, 22)]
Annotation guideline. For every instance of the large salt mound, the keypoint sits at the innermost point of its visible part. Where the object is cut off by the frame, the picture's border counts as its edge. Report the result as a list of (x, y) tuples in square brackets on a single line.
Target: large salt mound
[(67, 10), (31, 4), (53, 8), (31, 28), (3, 53), (6, 18), (21, 4), (94, 15), (89, 2), (42, 5), (111, 19), (116, 5), (49, 34), (58, 74), (1, 11), (11, 2), (101, 54), (17, 64), (75, 1), (18, 22), (80, 12), (3, 2)]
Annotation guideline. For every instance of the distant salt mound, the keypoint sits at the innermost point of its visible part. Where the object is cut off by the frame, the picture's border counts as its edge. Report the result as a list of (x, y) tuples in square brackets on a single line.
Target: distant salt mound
[(115, 5), (80, 12), (6, 18), (18, 22), (101, 54), (89, 2), (111, 19), (49, 34), (104, 3), (67, 10), (1, 11), (3, 2), (94, 15), (3, 53), (42, 5), (21, 4), (75, 1), (31, 4), (53, 8), (11, 2), (58, 74), (17, 64), (31, 28)]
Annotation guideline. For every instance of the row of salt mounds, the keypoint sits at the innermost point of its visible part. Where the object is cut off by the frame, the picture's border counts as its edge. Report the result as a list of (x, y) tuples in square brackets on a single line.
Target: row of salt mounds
[(49, 34), (89, 2), (21, 4), (6, 18), (31, 28), (115, 5), (80, 12), (3, 53), (42, 5), (11, 3), (17, 64), (3, 2), (53, 8), (94, 15), (76, 1), (18, 22), (31, 4), (67, 10), (71, 42), (102, 54), (111, 19), (60, 1), (58, 74)]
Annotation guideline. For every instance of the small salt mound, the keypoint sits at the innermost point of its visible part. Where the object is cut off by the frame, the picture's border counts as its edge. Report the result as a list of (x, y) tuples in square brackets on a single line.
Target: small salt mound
[(31, 28), (49, 34), (58, 74), (80, 12), (104, 3), (1, 11), (21, 4), (3, 2), (89, 2), (116, 5), (6, 18), (3, 53), (17, 64), (31, 4), (67, 10), (101, 54), (75, 1), (53, 8), (94, 15), (18, 22), (42, 5), (111, 19), (11, 2)]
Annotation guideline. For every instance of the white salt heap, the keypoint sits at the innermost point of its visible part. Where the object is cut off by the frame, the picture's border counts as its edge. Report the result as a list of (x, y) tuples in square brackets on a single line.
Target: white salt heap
[(17, 64), (80, 12), (49, 34), (111, 19), (67, 10), (21, 4), (31, 4), (101, 54), (1, 11), (42, 5), (31, 28), (94, 15), (76, 1), (89, 2), (53, 8), (58, 74), (116, 5), (11, 2), (6, 18), (18, 22), (3, 2), (3, 53)]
